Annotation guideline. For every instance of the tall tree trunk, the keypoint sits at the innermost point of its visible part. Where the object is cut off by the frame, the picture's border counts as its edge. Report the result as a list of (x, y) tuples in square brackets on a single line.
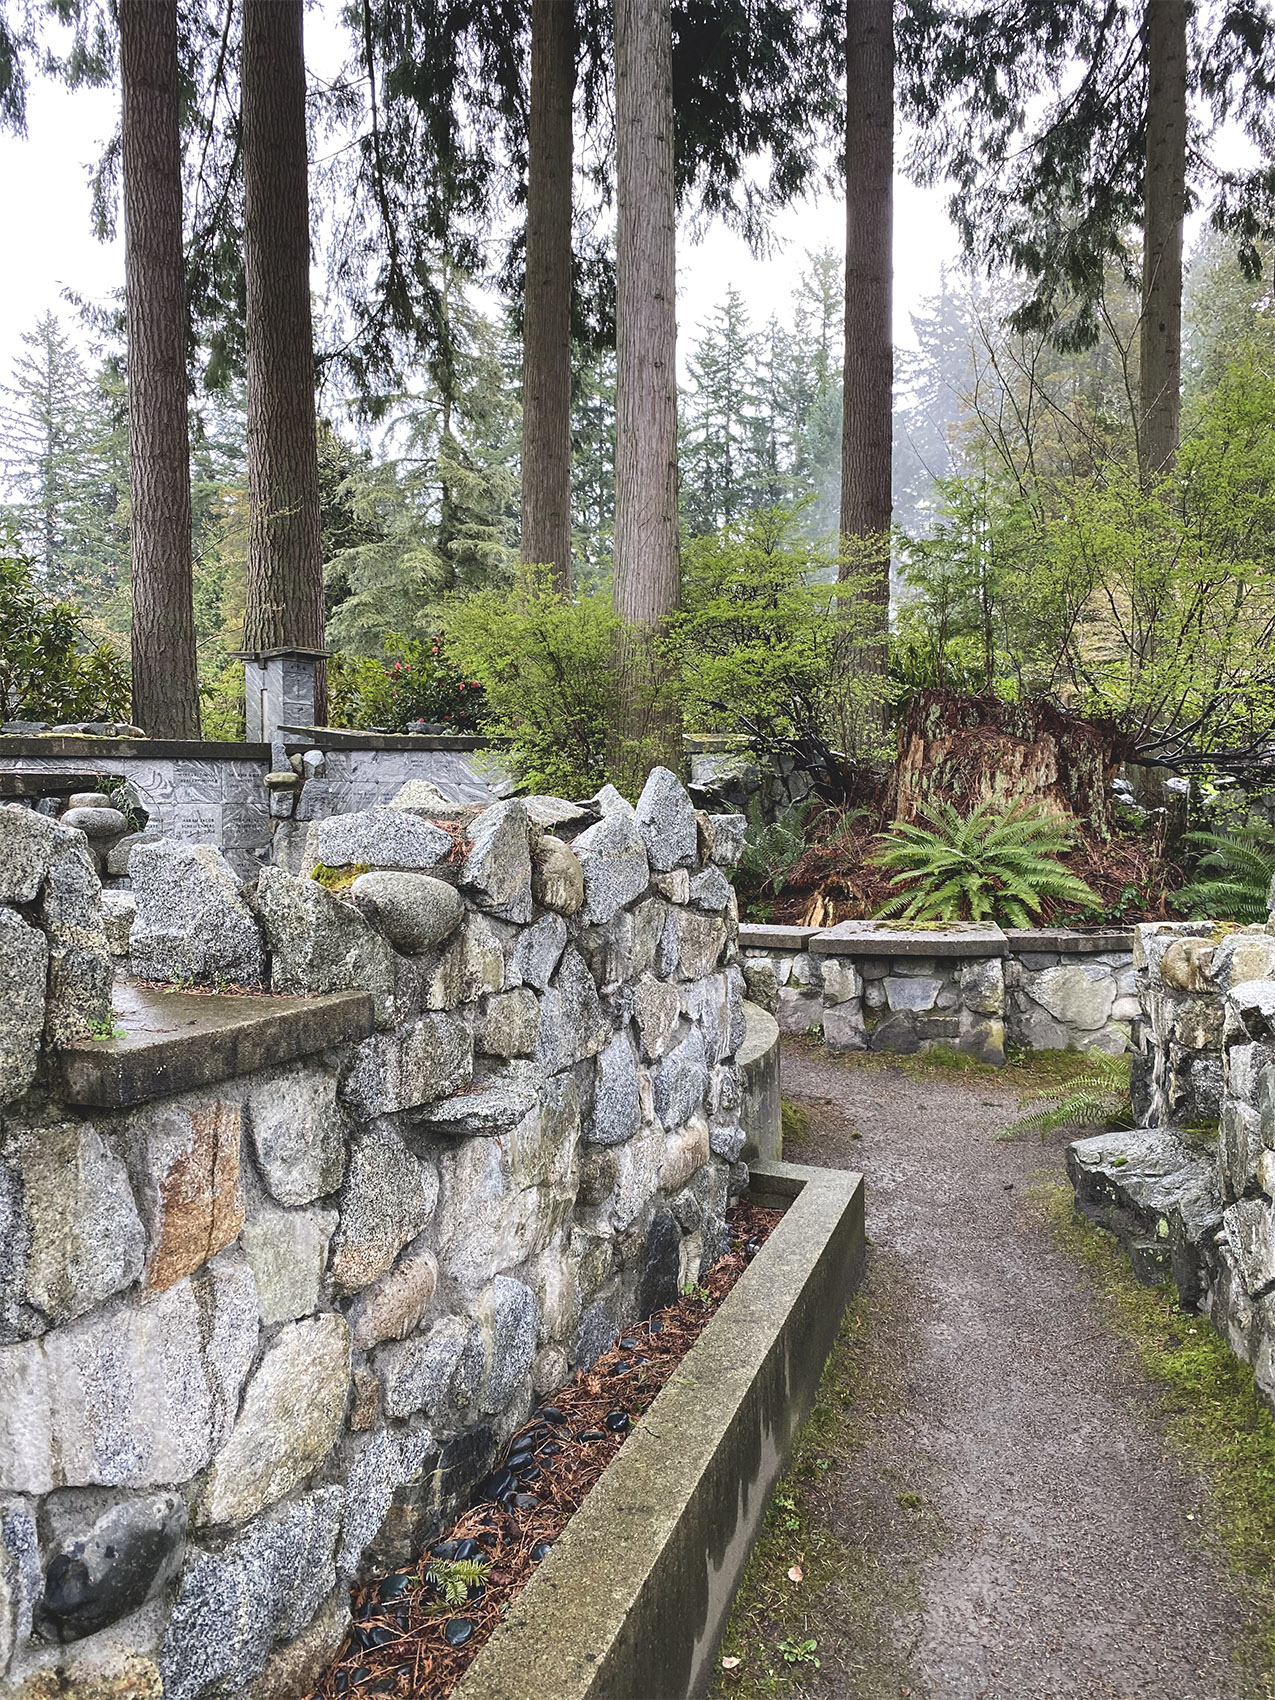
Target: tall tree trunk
[(165, 676), (546, 357), (868, 382), (647, 567), (1164, 196), (285, 568)]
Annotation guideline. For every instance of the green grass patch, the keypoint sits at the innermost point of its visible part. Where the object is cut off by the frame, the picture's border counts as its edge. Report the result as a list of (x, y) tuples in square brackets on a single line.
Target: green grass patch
[(795, 1121), (1214, 1416), (808, 1597)]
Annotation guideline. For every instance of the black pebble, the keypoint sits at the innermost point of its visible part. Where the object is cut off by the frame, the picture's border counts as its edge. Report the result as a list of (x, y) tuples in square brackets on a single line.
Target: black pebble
[(620, 1369), (657, 1327), (376, 1636), (551, 1450), (497, 1485), (525, 1501), (394, 1586), (518, 1461), (550, 1414), (458, 1631), (446, 1550), (591, 1434), (617, 1421), (468, 1549), (541, 1550), (531, 1475), (342, 1682), (628, 1344), (366, 1611)]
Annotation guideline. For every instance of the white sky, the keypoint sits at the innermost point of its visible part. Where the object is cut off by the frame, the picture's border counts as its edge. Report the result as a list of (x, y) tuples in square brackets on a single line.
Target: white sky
[(44, 205)]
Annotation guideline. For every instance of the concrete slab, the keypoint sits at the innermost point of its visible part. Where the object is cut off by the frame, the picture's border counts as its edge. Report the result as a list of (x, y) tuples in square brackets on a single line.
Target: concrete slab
[(890, 938), (173, 1041), (1022, 941), (632, 1601), (753, 936)]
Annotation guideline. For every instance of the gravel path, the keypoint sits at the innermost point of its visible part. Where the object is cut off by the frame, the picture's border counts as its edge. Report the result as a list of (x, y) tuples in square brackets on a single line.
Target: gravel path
[(1020, 1532)]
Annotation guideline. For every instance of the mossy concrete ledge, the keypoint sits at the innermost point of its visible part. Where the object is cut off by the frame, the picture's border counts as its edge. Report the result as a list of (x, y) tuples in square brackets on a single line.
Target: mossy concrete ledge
[(632, 1601)]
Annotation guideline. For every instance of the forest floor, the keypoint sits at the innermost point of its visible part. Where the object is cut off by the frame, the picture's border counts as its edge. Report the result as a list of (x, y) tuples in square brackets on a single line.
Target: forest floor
[(1026, 1478)]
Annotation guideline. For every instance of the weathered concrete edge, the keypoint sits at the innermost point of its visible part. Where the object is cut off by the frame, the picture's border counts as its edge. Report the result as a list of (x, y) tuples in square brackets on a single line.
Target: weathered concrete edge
[(633, 1599), (116, 1077), (761, 1111)]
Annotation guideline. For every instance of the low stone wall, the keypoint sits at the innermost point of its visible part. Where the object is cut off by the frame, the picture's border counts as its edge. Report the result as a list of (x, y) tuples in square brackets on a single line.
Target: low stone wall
[(263, 1325), (865, 986)]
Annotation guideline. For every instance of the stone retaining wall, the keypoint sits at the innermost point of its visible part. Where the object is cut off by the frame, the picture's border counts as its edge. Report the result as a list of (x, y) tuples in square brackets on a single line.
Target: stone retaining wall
[(264, 1333), (209, 793), (862, 986), (1191, 1191)]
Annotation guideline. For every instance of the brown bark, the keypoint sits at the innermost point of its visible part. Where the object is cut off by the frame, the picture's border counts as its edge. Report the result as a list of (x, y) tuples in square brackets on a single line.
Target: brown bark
[(868, 380), (165, 676), (1164, 198), (285, 571), (546, 358), (647, 564)]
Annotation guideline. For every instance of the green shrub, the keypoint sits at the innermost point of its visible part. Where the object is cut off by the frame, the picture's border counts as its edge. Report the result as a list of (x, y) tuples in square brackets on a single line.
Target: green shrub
[(49, 669), (994, 864), (1233, 875), (759, 642), (412, 681), (1098, 1097), (546, 668)]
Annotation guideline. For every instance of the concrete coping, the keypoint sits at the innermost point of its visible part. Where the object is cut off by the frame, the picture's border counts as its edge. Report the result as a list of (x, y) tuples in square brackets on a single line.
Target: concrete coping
[(873, 938), (755, 936), (57, 746), (297, 739), (878, 938), (632, 1600), (1067, 941), (174, 1041)]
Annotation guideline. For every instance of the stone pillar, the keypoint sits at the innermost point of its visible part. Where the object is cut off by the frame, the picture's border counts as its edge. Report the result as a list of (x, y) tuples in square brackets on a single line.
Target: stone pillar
[(279, 690)]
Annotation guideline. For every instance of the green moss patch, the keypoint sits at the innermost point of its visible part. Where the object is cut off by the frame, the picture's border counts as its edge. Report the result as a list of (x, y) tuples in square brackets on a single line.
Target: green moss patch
[(1214, 1417), (337, 879)]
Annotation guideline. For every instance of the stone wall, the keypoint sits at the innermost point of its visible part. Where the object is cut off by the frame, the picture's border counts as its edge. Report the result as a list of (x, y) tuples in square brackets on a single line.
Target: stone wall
[(1185, 969), (264, 1333), (862, 986), (208, 793), (1191, 1191)]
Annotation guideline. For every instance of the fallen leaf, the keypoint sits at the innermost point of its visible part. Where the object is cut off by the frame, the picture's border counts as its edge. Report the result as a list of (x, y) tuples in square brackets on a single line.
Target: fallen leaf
[(729, 1664), (796, 1574)]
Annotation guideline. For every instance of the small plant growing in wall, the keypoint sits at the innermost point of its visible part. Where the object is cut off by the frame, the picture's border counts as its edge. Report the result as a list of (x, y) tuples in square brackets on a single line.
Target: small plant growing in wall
[(1099, 1097), (993, 865)]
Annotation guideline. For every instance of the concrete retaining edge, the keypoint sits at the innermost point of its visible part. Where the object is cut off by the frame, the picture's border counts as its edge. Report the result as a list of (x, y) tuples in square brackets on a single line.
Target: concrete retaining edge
[(761, 1112), (632, 1601)]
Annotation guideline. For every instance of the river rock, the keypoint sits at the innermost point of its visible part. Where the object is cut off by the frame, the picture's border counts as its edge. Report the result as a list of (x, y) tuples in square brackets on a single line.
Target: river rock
[(377, 838), (291, 1415), (557, 879), (95, 823), (192, 922), (413, 911), (612, 857), (73, 1237), (497, 870), (24, 973), (106, 1571), (423, 795), (665, 819)]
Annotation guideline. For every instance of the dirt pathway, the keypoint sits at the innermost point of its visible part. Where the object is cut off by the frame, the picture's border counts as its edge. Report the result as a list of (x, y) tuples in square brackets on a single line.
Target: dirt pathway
[(1007, 1524)]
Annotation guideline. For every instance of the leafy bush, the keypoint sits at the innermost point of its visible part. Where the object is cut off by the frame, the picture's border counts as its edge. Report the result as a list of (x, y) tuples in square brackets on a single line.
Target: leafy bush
[(49, 669), (412, 682), (994, 864), (761, 639), (546, 667), (1233, 875)]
